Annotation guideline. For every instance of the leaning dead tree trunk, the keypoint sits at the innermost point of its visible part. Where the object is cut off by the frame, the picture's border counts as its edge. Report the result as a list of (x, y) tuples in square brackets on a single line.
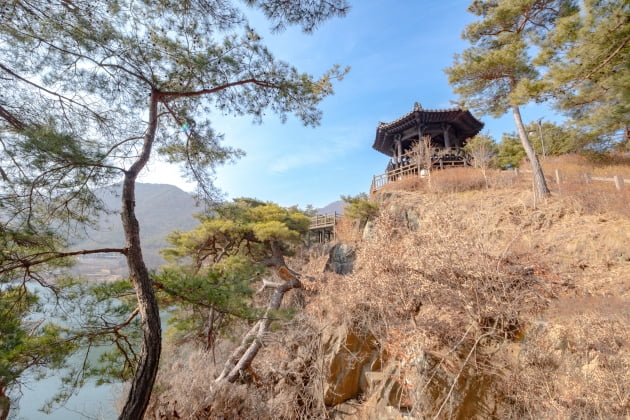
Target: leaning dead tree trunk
[(148, 362), (242, 357)]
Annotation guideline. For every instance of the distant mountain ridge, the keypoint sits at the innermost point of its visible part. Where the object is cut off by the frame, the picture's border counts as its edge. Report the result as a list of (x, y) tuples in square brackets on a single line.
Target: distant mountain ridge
[(335, 206), (160, 209)]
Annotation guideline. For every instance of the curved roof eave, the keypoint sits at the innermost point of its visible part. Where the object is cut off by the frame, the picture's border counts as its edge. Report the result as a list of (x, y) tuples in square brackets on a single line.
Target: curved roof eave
[(463, 119)]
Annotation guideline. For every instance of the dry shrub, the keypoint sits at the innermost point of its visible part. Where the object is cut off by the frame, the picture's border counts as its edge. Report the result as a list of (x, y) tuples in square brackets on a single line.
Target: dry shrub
[(465, 287), (457, 179), (447, 263), (575, 365), (408, 183), (185, 377), (347, 230), (596, 198), (457, 300), (284, 381), (291, 372), (446, 287)]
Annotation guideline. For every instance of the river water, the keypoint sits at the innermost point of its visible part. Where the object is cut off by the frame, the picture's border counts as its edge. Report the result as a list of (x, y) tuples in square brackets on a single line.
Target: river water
[(89, 402)]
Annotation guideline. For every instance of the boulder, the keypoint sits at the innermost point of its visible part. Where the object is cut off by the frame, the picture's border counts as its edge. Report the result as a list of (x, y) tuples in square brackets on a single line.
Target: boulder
[(349, 356), (341, 259), (368, 231)]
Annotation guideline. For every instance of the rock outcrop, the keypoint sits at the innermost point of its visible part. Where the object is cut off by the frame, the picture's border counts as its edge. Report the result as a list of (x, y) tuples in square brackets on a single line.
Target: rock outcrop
[(350, 357), (341, 259)]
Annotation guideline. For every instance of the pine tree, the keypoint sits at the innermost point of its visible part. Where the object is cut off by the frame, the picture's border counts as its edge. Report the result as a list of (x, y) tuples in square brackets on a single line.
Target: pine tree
[(587, 54), (236, 245), (548, 139), (92, 91), (494, 74), (213, 267)]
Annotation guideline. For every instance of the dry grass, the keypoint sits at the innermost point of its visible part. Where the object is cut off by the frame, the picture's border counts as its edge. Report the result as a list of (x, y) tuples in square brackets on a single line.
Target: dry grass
[(482, 271), (347, 230), (576, 165), (490, 304), (595, 197), (457, 179), (408, 183), (576, 363)]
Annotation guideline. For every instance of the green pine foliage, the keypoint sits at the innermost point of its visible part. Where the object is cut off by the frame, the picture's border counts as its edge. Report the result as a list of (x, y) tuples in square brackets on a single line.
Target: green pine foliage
[(92, 91), (588, 76), (360, 208), (557, 140), (510, 152), (496, 73), (27, 344), (213, 267)]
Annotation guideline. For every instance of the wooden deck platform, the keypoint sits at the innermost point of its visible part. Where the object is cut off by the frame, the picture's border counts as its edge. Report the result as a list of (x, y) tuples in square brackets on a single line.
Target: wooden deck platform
[(322, 227), (412, 166)]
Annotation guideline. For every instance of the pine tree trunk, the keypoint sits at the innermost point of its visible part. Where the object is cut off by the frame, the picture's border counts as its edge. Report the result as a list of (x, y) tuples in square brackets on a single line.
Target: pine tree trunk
[(148, 362), (5, 405), (541, 190)]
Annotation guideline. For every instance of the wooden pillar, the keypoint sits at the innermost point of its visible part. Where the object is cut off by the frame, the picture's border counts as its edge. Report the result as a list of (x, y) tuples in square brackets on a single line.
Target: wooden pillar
[(420, 139), (558, 176), (447, 139), (619, 182)]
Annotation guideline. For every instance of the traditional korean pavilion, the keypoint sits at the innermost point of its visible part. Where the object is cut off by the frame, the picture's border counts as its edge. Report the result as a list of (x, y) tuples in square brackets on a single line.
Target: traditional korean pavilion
[(449, 130)]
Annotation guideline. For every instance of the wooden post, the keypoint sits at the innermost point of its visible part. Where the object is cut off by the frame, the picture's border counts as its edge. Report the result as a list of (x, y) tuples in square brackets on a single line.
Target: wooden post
[(558, 176), (619, 183), (587, 178), (447, 139)]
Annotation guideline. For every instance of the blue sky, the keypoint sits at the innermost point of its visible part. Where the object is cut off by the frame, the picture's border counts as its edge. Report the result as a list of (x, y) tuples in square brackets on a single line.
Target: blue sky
[(397, 51)]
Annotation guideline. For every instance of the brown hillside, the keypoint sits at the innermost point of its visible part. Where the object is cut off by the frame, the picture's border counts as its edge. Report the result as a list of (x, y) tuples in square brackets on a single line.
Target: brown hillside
[(465, 302)]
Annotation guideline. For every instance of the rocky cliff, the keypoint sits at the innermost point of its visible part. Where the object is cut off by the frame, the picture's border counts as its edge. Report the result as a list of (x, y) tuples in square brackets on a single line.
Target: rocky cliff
[(471, 305)]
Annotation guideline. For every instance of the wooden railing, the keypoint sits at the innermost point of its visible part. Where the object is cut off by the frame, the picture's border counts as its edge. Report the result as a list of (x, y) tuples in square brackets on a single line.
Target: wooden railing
[(411, 164), (323, 228), (588, 178), (440, 156), (322, 221), (393, 175)]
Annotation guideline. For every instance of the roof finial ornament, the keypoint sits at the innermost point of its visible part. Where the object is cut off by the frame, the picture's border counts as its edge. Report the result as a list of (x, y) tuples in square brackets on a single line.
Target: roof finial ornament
[(417, 106)]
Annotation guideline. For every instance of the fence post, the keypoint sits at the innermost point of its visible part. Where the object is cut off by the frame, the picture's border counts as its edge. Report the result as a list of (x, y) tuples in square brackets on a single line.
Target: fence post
[(516, 171), (619, 183), (558, 176), (587, 178)]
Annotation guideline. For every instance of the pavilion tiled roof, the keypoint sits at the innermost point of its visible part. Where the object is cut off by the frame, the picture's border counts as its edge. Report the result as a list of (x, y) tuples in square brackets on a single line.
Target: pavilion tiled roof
[(465, 123)]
